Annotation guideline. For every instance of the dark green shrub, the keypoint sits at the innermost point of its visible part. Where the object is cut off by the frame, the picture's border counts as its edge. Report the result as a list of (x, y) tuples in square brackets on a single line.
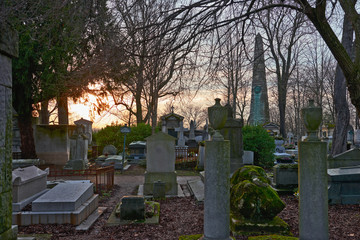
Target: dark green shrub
[(256, 139), (112, 135)]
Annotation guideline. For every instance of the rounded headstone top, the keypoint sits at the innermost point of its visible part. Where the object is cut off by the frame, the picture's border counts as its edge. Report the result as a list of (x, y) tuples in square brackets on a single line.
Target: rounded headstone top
[(23, 175), (109, 150)]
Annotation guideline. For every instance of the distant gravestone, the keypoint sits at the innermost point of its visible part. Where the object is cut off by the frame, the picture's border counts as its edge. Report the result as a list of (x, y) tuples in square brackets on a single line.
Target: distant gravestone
[(52, 143), (78, 149), (181, 139), (160, 163), (109, 150), (248, 158), (88, 128)]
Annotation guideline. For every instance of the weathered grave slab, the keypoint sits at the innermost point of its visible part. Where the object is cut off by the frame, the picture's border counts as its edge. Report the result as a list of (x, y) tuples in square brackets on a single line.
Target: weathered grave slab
[(344, 185), (27, 182), (64, 197), (131, 208), (345, 159)]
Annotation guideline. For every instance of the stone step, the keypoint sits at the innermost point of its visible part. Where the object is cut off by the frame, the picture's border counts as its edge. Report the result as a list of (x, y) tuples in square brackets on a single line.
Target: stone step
[(197, 187), (87, 223)]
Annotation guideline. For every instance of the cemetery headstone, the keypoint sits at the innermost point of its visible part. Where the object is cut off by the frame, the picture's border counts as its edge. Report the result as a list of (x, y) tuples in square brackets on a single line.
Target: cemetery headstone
[(232, 131), (313, 182), (259, 108), (132, 208), (254, 204), (8, 50), (248, 158), (217, 169), (109, 150), (160, 148)]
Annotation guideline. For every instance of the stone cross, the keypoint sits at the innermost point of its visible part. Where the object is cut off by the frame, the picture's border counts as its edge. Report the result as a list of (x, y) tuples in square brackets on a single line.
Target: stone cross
[(181, 139)]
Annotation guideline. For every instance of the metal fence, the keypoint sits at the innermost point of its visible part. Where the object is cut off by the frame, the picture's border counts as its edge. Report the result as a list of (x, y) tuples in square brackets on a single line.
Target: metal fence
[(184, 155), (103, 178)]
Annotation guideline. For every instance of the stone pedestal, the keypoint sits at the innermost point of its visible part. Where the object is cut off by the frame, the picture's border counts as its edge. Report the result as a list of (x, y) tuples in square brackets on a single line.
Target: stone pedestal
[(232, 131), (8, 50), (217, 191), (313, 184)]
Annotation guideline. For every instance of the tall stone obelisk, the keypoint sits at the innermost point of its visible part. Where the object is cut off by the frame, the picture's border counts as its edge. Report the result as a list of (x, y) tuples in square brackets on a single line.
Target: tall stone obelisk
[(259, 109)]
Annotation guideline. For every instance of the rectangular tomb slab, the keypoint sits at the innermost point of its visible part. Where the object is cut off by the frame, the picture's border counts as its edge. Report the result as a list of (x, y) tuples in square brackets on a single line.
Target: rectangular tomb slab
[(64, 197)]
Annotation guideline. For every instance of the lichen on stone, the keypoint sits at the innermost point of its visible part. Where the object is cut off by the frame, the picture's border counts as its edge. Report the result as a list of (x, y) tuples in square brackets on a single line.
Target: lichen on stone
[(251, 196)]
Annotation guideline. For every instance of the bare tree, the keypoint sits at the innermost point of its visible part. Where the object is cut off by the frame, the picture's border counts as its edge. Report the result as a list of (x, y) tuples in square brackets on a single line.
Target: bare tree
[(283, 32), (157, 66)]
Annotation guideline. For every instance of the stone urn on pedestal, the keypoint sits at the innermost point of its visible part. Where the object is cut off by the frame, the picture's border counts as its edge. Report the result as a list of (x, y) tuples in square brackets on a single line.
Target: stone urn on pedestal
[(217, 117), (217, 171), (312, 117)]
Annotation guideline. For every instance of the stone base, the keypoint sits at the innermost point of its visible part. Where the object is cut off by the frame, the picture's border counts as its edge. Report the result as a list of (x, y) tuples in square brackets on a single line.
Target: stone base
[(154, 219), (169, 178), (10, 234), (71, 217), (244, 227)]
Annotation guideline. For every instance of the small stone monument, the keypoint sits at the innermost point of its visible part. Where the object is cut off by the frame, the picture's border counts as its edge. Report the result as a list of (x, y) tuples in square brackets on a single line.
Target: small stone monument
[(181, 139), (217, 182), (232, 131), (131, 208), (78, 149), (313, 181), (160, 148), (87, 128)]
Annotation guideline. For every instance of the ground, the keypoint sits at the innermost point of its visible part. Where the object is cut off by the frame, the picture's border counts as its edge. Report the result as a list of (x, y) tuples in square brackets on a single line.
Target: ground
[(184, 216)]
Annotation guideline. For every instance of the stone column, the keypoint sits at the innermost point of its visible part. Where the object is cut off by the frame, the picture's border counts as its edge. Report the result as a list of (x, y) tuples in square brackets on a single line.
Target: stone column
[(217, 190), (217, 179), (8, 50), (313, 182)]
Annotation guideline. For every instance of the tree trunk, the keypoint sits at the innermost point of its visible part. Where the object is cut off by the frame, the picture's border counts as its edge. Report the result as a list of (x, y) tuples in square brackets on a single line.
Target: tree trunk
[(63, 111), (282, 105), (341, 106), (44, 113), (27, 137)]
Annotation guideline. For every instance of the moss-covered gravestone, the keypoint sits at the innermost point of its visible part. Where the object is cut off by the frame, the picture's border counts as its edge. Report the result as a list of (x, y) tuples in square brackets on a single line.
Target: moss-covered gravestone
[(254, 204), (8, 50)]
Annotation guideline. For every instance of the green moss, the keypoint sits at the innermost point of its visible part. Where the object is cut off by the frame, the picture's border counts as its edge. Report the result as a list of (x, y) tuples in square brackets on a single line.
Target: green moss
[(241, 226), (190, 237), (249, 173), (272, 237), (286, 166), (254, 200)]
